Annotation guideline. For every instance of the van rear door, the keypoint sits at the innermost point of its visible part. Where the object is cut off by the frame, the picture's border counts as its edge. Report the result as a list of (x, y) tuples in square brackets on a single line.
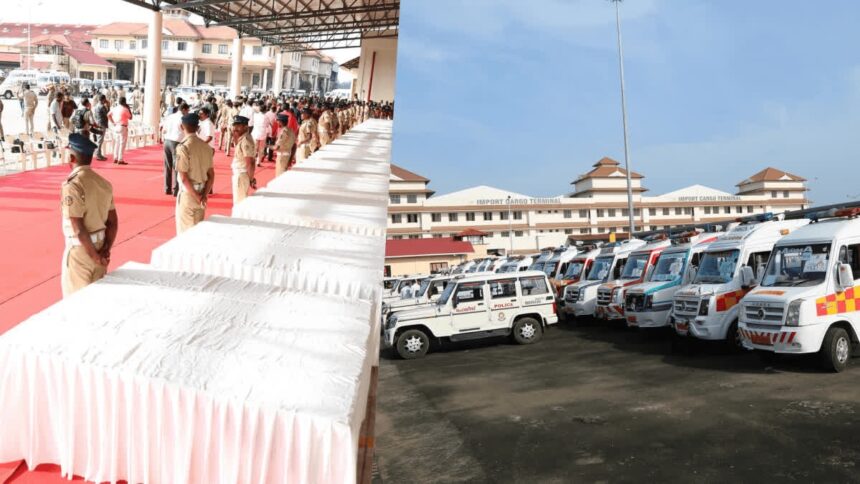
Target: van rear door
[(503, 301)]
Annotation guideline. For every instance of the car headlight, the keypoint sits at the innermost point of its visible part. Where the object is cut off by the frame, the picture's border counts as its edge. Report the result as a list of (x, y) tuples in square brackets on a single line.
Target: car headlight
[(703, 306), (615, 295), (792, 316)]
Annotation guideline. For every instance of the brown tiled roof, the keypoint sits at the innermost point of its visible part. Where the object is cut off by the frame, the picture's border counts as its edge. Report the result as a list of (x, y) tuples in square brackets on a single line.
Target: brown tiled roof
[(177, 27), (49, 40), (472, 232), (118, 28), (406, 175), (351, 64), (604, 168), (771, 174)]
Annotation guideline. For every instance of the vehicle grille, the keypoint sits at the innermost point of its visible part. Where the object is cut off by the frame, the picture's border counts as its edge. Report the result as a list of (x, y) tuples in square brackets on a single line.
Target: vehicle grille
[(687, 307), (572, 295), (635, 302), (604, 296), (771, 314)]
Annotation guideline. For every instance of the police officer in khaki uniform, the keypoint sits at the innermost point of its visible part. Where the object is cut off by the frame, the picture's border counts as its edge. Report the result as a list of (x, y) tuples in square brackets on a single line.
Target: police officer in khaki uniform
[(196, 172), (284, 144), (89, 219), (243, 158), (324, 127), (30, 102), (308, 135)]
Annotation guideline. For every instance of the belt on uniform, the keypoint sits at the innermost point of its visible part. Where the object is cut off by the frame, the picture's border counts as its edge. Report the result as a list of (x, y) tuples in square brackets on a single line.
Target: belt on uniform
[(95, 237), (198, 187)]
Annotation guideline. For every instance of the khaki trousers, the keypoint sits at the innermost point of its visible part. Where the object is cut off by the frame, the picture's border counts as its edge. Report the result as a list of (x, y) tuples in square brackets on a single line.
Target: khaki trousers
[(303, 152), (28, 119), (282, 163), (78, 269), (241, 184), (188, 212), (324, 138)]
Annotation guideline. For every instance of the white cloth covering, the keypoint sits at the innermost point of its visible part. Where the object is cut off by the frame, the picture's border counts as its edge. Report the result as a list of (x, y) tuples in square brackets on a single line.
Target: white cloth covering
[(283, 255), (159, 377), (332, 186)]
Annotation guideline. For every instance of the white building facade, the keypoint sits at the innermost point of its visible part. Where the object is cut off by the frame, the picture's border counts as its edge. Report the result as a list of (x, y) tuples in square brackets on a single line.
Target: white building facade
[(596, 208)]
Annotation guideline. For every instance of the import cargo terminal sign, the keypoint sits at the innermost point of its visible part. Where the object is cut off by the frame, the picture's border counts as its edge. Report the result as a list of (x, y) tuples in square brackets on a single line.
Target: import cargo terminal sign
[(517, 201), (711, 198)]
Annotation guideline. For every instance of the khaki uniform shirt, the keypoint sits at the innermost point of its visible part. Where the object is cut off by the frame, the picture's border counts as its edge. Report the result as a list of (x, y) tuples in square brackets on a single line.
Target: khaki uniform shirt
[(245, 148), (194, 157), (286, 140), (306, 131), (325, 124), (30, 99), (86, 195)]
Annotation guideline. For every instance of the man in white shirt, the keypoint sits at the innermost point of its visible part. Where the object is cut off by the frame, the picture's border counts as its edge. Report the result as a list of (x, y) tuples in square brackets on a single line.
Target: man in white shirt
[(205, 130), (406, 292), (247, 111), (416, 288), (171, 132), (262, 129)]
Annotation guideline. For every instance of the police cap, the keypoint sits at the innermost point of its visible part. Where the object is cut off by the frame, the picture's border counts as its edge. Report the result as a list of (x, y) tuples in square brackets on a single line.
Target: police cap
[(240, 120), (283, 118), (81, 144), (191, 119)]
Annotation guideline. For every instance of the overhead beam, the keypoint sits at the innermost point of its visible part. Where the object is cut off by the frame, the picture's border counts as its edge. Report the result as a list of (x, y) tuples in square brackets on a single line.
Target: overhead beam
[(141, 3), (200, 3), (311, 14)]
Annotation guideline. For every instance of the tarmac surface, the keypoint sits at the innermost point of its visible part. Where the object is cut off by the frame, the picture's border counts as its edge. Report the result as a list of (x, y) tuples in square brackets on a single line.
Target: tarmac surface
[(597, 402)]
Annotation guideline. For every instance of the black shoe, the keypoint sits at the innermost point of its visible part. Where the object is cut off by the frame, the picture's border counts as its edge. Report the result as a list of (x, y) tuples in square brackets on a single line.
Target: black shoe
[(101, 158), (168, 192)]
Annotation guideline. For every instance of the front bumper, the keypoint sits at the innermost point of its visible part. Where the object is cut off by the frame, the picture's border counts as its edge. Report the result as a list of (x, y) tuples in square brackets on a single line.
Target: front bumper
[(783, 339), (711, 327), (583, 308), (648, 319), (610, 312)]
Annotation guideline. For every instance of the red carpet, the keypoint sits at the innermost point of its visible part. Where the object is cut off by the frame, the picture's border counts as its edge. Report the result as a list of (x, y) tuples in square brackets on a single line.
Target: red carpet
[(32, 240)]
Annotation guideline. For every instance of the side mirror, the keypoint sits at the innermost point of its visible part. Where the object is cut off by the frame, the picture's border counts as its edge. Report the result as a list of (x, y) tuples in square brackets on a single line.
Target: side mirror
[(747, 277), (846, 277)]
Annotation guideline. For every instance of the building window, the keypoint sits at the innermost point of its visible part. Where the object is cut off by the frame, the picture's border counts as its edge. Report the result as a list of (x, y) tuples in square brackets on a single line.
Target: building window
[(414, 236), (207, 48), (625, 212), (652, 212), (452, 217), (665, 211), (568, 214), (688, 210), (505, 233), (165, 44), (677, 210), (518, 233), (437, 236), (411, 198), (222, 48), (518, 215), (132, 44), (772, 194), (637, 212), (488, 216), (785, 194), (438, 267), (601, 230), (143, 43), (435, 217), (568, 231), (707, 210), (103, 44), (394, 198), (739, 210), (181, 46), (412, 218), (503, 215), (749, 209), (583, 214), (610, 212), (727, 209), (397, 237), (117, 44), (599, 213), (470, 216), (396, 218), (257, 50)]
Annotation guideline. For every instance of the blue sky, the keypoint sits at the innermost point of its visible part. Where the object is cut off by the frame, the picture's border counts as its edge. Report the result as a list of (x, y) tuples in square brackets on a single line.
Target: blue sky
[(524, 95)]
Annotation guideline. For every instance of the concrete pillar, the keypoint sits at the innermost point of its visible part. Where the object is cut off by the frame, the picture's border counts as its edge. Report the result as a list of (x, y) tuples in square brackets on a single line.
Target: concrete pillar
[(195, 69), (134, 78), (236, 68), (278, 78), (264, 83), (152, 96)]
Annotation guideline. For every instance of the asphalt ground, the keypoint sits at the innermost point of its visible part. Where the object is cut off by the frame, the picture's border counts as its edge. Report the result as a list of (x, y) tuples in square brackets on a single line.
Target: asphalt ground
[(598, 402)]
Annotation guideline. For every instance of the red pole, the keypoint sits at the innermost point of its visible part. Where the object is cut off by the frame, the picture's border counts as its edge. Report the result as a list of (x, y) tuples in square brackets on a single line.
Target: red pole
[(370, 84)]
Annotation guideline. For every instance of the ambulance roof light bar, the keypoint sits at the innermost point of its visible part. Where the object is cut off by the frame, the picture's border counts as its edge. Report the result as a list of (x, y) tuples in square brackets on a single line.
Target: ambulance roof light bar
[(806, 212), (758, 218), (834, 213)]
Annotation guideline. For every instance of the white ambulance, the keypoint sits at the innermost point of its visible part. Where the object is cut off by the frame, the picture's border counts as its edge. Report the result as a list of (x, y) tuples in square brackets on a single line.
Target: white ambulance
[(580, 299), (809, 297), (649, 304), (730, 267), (518, 304), (515, 264), (610, 295), (573, 271)]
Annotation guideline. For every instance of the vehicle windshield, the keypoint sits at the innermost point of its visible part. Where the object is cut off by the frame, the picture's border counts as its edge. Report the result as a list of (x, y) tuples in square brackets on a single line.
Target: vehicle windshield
[(446, 294), (797, 265), (537, 266), (389, 284), (423, 289), (635, 266), (600, 269), (670, 267), (717, 267), (574, 270), (549, 268)]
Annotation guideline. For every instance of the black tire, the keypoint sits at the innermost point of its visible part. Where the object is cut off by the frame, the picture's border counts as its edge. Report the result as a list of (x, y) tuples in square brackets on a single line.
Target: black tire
[(527, 331), (835, 350), (734, 339), (412, 344)]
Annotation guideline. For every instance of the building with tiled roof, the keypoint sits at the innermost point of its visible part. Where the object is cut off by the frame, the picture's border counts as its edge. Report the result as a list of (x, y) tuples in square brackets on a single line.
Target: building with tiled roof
[(59, 47), (424, 256), (596, 208), (194, 54)]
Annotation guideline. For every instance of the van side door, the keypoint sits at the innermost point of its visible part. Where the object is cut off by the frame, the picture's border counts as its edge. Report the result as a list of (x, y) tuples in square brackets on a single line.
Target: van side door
[(503, 301), (469, 311)]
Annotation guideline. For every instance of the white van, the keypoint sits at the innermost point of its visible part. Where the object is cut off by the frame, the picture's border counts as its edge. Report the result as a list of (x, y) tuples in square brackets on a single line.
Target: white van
[(10, 85), (515, 264), (388, 285), (431, 289), (580, 299), (648, 305), (807, 301), (405, 281), (559, 256), (708, 308), (541, 259), (573, 271), (610, 295), (520, 305)]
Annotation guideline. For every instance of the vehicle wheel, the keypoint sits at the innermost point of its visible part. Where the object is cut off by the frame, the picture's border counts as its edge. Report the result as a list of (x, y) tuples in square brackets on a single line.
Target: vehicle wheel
[(527, 331), (734, 338), (836, 349), (412, 344), (8, 95)]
